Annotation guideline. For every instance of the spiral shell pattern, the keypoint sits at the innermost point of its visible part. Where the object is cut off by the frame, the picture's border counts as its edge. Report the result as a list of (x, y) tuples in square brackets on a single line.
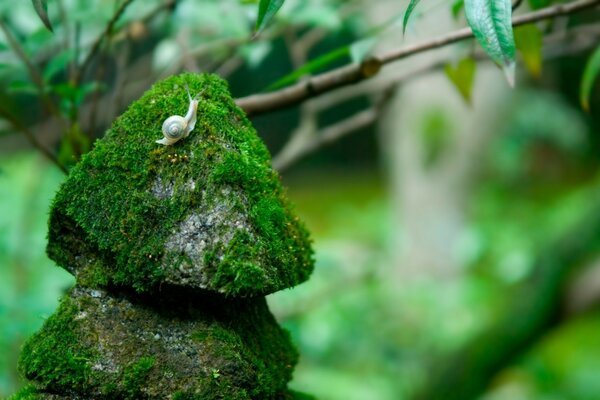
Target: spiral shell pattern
[(174, 127)]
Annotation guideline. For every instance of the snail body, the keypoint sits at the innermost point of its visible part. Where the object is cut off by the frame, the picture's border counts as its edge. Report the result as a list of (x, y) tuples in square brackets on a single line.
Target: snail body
[(177, 127)]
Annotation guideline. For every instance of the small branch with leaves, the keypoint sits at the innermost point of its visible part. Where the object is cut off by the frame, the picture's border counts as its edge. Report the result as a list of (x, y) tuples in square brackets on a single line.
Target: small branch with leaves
[(353, 73)]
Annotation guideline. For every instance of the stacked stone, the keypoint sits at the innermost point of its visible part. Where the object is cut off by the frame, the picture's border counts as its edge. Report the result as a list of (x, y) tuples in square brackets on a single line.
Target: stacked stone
[(173, 249)]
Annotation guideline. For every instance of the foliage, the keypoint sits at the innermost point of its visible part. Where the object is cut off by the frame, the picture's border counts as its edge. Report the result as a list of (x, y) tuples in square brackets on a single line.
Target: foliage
[(41, 8), (462, 76), (592, 69), (266, 11), (218, 177), (491, 23), (528, 40), (365, 330), (30, 284)]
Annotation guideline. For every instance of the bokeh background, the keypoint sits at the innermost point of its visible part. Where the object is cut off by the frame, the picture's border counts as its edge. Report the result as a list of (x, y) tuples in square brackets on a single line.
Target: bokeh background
[(457, 238)]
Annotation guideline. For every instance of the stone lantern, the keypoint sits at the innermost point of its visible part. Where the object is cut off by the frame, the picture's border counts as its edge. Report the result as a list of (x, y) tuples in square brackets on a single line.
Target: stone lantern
[(173, 248)]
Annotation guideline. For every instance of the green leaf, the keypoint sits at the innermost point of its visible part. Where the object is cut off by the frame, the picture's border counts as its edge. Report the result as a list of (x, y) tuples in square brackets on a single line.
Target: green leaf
[(266, 11), (457, 7), (41, 8), (537, 4), (590, 73), (528, 39), (24, 87), (409, 10), (313, 66), (57, 64), (462, 76), (490, 21), (74, 95)]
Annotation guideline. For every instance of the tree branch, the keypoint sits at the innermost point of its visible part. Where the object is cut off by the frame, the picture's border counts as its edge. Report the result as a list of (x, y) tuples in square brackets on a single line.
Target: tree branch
[(100, 39), (300, 148), (353, 73), (302, 143)]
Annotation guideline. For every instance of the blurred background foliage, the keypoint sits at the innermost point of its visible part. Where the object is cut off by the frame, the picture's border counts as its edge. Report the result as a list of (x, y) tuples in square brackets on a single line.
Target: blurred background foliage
[(513, 313)]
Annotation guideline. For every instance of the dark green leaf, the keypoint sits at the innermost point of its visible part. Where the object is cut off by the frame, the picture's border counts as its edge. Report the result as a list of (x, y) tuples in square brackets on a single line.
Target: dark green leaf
[(57, 64), (462, 76), (590, 73), (528, 39), (537, 4), (266, 11), (74, 95), (313, 66), (409, 10), (41, 8), (457, 7), (490, 21), (24, 87), (86, 89)]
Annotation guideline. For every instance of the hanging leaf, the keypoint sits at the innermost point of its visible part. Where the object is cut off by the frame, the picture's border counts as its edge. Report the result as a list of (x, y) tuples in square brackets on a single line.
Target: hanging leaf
[(266, 11), (457, 7), (528, 39), (590, 73), (490, 21), (462, 76), (409, 10), (41, 8)]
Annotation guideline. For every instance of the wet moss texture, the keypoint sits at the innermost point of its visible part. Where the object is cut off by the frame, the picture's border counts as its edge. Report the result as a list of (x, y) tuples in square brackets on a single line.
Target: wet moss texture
[(173, 248), (207, 212)]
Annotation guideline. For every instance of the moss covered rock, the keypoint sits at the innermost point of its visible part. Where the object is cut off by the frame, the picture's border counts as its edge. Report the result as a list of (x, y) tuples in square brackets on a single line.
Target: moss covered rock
[(122, 346), (173, 248), (208, 212)]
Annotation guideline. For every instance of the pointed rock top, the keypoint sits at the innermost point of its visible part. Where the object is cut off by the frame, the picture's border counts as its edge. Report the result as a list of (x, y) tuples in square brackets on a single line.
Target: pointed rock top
[(207, 212)]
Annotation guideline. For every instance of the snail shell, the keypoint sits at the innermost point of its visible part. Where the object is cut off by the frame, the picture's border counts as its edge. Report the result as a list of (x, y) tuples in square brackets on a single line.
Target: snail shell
[(177, 127), (174, 128)]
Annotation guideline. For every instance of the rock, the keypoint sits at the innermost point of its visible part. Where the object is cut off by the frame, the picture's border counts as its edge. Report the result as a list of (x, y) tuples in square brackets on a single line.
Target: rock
[(208, 212), (173, 249), (123, 346)]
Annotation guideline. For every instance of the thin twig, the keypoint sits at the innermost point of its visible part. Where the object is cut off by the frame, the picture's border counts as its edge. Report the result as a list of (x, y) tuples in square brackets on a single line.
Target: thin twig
[(100, 39), (517, 4), (353, 73), (305, 133), (584, 37), (332, 133)]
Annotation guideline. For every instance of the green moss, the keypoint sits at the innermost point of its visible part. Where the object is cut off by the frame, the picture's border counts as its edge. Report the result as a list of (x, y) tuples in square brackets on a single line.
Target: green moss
[(100, 345), (53, 356), (134, 377), (29, 392), (128, 196)]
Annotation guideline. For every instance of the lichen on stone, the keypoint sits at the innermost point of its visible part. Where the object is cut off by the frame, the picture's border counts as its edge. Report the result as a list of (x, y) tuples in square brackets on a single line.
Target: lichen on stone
[(129, 347), (152, 214), (173, 249)]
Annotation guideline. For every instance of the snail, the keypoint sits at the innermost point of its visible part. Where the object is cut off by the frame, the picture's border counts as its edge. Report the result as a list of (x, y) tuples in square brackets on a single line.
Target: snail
[(177, 127)]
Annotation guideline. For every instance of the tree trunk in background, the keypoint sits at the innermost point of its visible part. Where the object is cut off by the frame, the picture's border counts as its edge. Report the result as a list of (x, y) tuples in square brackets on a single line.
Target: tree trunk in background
[(432, 141)]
